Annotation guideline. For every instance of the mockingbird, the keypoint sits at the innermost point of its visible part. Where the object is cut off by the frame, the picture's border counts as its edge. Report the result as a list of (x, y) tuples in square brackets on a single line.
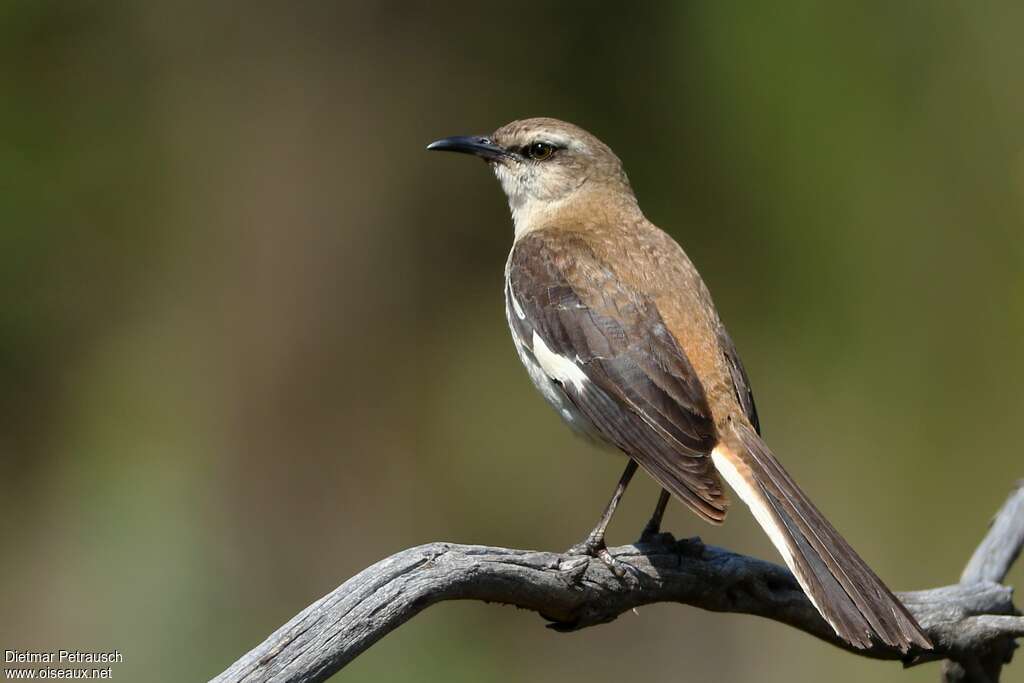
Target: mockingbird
[(619, 333)]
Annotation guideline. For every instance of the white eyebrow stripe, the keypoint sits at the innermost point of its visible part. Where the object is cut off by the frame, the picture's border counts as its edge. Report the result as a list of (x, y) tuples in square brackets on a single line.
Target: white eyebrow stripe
[(554, 139)]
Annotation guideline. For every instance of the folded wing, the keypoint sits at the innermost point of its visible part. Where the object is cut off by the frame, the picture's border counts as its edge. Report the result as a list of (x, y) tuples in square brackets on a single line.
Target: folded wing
[(606, 347)]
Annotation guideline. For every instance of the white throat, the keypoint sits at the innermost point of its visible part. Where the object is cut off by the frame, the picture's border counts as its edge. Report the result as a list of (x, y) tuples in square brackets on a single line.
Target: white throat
[(526, 216), (527, 210)]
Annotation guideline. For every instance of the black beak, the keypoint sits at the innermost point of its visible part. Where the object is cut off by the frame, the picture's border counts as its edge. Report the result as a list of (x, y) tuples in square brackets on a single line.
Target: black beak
[(470, 144)]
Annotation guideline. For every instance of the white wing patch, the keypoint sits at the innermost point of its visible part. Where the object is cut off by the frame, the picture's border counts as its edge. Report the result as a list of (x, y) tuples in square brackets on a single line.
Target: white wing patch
[(558, 367)]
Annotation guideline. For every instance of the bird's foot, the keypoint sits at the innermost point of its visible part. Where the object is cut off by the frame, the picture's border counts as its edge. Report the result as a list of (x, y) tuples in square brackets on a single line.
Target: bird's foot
[(594, 546)]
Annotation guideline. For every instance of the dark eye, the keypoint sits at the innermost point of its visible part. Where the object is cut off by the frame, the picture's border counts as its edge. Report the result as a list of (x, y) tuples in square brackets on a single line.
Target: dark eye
[(539, 151)]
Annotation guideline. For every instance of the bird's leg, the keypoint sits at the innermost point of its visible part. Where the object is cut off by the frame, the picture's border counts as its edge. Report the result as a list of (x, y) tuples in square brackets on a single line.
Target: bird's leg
[(594, 545), (653, 527)]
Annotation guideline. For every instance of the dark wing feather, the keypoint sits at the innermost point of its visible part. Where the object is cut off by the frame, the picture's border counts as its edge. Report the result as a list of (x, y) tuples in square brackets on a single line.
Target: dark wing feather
[(642, 393), (740, 381)]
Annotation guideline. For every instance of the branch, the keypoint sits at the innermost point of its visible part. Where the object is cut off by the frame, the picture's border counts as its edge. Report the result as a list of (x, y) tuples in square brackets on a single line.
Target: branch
[(990, 563), (964, 621), (1001, 545)]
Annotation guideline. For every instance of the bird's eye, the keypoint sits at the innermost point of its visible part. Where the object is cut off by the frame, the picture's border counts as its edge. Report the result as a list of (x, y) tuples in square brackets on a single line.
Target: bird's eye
[(539, 151)]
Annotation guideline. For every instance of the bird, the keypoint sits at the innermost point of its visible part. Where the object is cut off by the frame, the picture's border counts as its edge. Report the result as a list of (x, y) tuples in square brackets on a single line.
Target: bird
[(619, 333)]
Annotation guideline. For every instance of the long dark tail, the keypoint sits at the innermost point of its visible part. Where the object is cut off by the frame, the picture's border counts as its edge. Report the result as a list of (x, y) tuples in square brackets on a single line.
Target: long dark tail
[(841, 586)]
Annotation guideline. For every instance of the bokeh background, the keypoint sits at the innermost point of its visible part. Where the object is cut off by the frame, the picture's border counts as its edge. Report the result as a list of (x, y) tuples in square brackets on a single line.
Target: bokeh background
[(252, 335)]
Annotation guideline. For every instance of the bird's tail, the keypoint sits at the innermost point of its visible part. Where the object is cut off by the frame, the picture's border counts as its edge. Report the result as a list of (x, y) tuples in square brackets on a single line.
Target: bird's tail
[(838, 582)]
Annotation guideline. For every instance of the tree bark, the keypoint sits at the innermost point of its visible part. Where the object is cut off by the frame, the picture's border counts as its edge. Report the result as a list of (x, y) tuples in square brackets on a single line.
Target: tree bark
[(989, 564), (973, 624)]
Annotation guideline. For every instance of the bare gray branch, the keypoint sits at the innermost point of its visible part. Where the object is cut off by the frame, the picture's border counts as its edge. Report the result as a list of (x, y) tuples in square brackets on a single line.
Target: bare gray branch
[(969, 623), (1001, 545), (990, 563)]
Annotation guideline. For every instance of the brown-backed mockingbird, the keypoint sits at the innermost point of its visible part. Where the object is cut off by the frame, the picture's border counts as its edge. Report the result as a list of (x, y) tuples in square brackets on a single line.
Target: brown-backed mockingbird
[(618, 332)]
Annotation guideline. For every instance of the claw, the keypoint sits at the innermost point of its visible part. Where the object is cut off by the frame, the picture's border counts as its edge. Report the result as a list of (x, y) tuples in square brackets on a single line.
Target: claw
[(595, 547), (614, 566)]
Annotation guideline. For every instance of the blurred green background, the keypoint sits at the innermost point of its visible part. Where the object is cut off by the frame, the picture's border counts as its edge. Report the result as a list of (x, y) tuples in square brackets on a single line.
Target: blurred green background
[(252, 336)]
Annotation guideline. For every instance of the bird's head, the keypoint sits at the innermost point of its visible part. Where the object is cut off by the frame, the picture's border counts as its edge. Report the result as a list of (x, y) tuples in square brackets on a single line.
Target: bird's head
[(542, 163)]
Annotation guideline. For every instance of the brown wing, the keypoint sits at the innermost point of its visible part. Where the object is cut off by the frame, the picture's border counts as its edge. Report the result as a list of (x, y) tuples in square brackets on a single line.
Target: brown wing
[(640, 390)]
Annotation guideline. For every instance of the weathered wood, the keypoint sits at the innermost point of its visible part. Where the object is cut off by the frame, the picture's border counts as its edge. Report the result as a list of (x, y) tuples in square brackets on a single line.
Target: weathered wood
[(1001, 545), (990, 562), (967, 622)]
